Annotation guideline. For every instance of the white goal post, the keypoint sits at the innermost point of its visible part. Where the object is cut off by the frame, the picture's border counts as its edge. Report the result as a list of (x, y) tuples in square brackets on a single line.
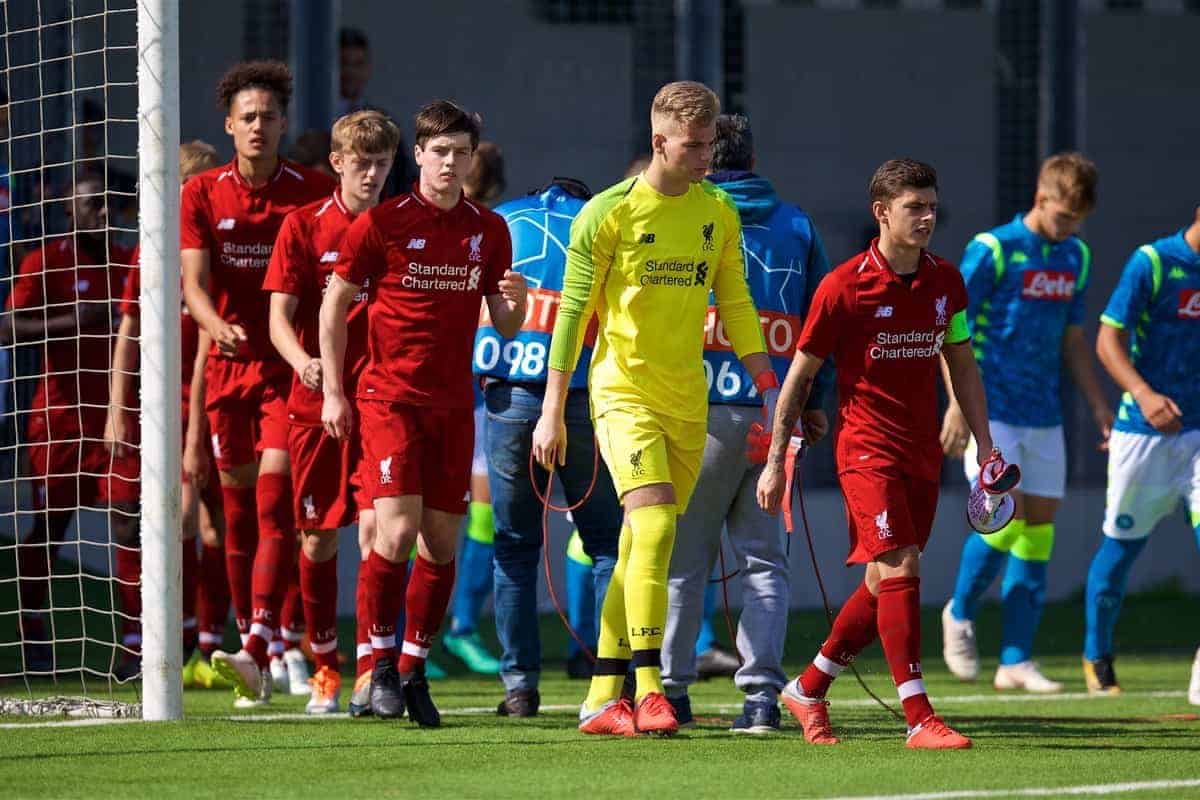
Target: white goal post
[(158, 195)]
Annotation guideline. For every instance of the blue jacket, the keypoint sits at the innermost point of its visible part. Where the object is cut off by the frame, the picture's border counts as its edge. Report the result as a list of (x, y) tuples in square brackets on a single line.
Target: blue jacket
[(540, 226), (785, 261)]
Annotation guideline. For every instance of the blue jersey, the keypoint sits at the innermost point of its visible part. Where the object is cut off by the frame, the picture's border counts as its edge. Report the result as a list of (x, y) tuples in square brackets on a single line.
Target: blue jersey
[(1157, 301), (784, 263), (540, 226), (1023, 292)]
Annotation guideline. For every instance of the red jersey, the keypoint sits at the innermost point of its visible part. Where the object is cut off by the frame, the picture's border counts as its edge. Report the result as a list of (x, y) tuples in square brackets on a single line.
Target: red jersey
[(221, 213), (430, 268), (307, 248), (55, 280), (189, 331), (886, 337)]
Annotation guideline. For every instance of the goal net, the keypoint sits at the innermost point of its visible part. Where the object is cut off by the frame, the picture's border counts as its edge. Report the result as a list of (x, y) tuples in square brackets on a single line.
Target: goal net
[(88, 518)]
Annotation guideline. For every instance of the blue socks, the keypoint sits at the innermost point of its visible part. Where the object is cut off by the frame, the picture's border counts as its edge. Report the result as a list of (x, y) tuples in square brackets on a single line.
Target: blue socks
[(979, 566), (1106, 590), (1024, 592)]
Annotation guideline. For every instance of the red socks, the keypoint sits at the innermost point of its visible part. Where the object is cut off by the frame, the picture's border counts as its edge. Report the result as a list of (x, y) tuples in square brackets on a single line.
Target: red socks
[(212, 604), (383, 585), (241, 541), (853, 630), (429, 589), (191, 569), (900, 630), (272, 561), (318, 586), (362, 622), (129, 577), (292, 625)]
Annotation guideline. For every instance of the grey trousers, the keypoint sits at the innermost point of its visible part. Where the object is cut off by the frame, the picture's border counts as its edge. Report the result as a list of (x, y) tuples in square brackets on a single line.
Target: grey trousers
[(725, 498)]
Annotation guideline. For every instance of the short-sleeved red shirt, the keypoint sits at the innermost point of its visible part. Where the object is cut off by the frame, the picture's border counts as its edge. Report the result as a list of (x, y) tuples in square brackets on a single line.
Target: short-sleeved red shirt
[(189, 331), (56, 279), (430, 269), (307, 248), (236, 223), (885, 337)]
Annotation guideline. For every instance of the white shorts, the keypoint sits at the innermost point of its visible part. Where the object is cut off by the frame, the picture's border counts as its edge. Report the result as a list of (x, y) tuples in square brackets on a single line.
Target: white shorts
[(1041, 453), (479, 459), (1147, 477)]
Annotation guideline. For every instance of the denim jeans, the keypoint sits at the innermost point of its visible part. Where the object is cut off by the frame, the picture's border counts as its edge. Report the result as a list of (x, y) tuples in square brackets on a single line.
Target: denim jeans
[(512, 412)]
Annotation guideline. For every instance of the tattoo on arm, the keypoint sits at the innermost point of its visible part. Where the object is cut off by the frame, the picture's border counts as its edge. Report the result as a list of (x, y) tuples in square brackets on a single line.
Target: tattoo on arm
[(787, 414)]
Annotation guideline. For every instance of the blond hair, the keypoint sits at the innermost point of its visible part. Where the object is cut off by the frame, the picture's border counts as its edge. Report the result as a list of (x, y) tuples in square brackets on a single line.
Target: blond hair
[(195, 157), (684, 102), (363, 132), (1071, 179)]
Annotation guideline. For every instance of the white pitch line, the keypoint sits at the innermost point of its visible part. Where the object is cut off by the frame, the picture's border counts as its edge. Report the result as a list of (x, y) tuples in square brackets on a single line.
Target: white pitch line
[(1040, 791), (710, 708)]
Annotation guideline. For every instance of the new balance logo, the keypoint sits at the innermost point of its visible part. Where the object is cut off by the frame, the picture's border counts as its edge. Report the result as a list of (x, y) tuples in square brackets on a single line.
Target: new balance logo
[(883, 312), (416, 244), (329, 256), (310, 508), (226, 224), (646, 238), (385, 471)]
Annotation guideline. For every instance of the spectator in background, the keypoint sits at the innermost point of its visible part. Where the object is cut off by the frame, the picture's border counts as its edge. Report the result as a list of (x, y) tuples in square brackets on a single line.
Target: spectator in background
[(637, 165), (485, 182), (311, 149), (354, 70)]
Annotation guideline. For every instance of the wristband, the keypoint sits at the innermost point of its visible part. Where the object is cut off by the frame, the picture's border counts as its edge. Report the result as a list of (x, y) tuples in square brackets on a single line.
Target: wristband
[(767, 379)]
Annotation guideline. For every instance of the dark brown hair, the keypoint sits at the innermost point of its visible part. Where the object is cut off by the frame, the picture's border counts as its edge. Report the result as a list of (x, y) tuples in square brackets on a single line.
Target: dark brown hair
[(442, 117), (898, 174), (272, 76), (485, 182)]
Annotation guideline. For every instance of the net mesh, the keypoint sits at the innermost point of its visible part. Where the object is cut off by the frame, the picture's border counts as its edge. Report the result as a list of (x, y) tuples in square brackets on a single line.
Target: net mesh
[(69, 559)]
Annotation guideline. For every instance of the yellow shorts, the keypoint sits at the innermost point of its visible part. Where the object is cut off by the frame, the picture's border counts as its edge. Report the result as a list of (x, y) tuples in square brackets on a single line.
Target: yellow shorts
[(642, 448)]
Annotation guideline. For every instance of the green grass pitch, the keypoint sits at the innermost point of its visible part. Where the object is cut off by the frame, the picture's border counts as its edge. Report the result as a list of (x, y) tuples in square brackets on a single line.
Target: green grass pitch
[(1021, 744)]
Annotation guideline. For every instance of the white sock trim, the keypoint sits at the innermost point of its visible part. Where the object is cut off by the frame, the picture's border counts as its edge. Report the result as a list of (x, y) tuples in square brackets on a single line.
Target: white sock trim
[(911, 688), (290, 635), (363, 649), (245, 637), (263, 632), (209, 638), (415, 650), (383, 642), (828, 666), (321, 648)]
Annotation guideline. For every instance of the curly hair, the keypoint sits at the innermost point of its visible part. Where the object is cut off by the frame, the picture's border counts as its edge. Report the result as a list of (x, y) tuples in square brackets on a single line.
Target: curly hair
[(273, 76)]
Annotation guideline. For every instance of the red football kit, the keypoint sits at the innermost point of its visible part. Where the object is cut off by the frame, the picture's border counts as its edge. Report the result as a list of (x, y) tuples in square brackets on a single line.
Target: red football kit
[(125, 488), (306, 250), (237, 224), (886, 337), (430, 269), (64, 430)]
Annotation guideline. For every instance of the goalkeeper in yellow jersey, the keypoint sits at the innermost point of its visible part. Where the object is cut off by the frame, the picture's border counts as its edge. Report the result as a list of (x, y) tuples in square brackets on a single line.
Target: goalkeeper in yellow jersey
[(644, 256)]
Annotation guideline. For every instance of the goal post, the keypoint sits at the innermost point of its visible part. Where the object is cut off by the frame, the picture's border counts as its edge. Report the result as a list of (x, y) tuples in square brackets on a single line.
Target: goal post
[(158, 214)]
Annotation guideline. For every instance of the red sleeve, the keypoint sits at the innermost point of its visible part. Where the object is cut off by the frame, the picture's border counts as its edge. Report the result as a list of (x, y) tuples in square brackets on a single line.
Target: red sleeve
[(290, 257), (29, 284), (131, 293), (825, 320), (195, 228), (501, 257), (364, 254)]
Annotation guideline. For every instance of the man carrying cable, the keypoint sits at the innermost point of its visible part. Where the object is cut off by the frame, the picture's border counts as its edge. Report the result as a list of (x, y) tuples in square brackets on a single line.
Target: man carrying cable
[(513, 372), (784, 263)]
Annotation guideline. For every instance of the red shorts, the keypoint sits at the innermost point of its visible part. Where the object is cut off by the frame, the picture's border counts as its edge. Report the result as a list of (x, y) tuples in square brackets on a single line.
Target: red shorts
[(325, 487), (417, 450), (66, 466), (247, 409), (886, 511)]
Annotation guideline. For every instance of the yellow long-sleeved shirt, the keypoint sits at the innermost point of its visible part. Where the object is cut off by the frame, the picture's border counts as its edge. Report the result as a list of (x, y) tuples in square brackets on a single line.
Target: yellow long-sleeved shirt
[(645, 263)]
